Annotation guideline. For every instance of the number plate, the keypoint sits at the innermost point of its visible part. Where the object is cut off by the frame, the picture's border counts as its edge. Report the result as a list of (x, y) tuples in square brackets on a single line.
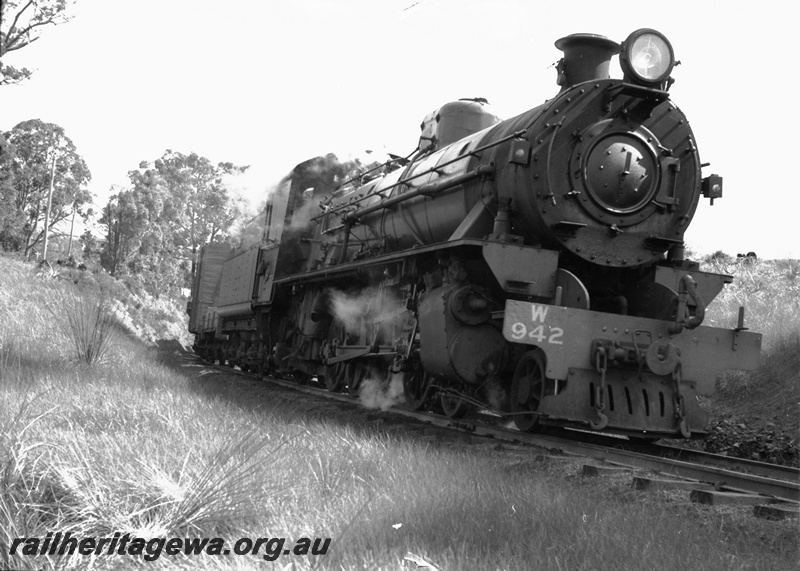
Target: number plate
[(555, 330), (533, 324)]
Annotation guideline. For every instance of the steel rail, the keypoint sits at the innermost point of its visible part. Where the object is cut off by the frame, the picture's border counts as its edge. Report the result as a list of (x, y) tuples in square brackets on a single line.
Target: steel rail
[(746, 465)]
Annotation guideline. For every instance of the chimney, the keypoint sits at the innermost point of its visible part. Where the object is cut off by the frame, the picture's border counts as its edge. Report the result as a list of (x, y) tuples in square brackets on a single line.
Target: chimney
[(586, 57)]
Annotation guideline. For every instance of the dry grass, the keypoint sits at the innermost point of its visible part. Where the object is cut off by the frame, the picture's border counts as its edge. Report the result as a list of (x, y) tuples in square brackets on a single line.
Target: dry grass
[(769, 291), (151, 447)]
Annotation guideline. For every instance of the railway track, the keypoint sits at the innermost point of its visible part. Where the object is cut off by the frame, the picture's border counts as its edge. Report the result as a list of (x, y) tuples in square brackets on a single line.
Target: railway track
[(774, 490)]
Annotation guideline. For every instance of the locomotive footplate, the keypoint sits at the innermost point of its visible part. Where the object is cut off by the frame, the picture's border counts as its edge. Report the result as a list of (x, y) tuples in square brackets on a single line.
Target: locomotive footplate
[(625, 372)]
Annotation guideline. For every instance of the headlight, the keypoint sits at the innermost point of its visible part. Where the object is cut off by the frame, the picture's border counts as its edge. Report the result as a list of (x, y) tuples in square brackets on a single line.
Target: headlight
[(647, 57)]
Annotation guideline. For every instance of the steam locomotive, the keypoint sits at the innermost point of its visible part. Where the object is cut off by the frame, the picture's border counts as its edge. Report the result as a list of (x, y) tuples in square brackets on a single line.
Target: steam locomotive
[(530, 267)]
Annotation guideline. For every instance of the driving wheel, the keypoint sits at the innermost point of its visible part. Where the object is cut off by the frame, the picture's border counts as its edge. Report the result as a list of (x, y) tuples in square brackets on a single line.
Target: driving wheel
[(453, 406), (415, 385), (335, 379), (527, 390)]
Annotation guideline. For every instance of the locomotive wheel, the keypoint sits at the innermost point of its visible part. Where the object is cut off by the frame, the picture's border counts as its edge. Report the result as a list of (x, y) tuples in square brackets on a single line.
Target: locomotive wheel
[(335, 378), (415, 386), (527, 389), (454, 407), (356, 372)]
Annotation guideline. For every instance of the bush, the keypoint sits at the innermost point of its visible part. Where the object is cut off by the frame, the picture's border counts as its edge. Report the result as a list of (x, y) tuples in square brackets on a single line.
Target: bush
[(88, 323)]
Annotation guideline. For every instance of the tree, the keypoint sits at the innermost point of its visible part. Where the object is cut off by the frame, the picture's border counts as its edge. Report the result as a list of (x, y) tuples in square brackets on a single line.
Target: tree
[(90, 247), (41, 150), (20, 25), (126, 221), (195, 198), (156, 227), (9, 231)]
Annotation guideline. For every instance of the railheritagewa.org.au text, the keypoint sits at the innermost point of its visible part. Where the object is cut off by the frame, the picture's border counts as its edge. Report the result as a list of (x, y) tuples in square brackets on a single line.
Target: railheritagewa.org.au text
[(65, 544)]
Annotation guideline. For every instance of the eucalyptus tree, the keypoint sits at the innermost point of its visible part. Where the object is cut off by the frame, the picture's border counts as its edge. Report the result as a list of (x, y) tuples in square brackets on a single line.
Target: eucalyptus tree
[(42, 158), (9, 231), (174, 205), (195, 199), (21, 23)]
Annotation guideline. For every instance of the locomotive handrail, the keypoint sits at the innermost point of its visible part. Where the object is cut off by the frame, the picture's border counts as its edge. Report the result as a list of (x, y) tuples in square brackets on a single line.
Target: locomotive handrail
[(556, 127), (474, 152), (428, 189)]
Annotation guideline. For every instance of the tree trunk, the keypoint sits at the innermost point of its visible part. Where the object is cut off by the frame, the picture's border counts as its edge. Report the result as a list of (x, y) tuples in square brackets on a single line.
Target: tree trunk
[(34, 223), (71, 230), (49, 206)]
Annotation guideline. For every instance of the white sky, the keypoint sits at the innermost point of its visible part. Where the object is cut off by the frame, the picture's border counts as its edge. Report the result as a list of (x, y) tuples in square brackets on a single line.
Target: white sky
[(270, 83)]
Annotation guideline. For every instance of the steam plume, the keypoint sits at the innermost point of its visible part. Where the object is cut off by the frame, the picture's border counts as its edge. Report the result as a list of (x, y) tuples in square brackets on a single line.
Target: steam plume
[(375, 393)]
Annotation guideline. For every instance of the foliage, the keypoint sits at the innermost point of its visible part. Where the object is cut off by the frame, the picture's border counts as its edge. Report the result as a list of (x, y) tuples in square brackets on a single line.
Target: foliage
[(768, 290), (198, 202), (35, 151), (20, 24), (175, 205), (9, 233), (90, 246), (126, 219), (718, 257)]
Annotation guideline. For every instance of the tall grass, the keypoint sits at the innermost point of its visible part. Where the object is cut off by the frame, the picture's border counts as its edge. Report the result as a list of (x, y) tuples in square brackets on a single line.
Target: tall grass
[(95, 456), (21, 474), (88, 323)]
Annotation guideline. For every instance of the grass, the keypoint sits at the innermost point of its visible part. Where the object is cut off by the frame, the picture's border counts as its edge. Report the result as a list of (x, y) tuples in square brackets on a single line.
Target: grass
[(145, 443), (88, 323)]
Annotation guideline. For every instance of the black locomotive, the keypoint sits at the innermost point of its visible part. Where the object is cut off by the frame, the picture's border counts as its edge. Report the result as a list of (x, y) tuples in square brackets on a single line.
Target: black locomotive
[(533, 267)]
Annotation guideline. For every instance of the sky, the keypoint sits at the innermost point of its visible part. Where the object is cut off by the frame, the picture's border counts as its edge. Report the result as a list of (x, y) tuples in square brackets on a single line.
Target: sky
[(271, 83)]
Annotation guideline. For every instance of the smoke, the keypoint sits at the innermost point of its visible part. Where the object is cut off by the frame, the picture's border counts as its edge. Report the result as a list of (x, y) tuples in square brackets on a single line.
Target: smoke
[(248, 228), (311, 181), (303, 213), (377, 394), (248, 231), (311, 176)]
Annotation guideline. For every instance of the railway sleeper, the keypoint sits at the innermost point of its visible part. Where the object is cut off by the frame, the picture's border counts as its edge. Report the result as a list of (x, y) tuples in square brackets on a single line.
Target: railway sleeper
[(764, 507)]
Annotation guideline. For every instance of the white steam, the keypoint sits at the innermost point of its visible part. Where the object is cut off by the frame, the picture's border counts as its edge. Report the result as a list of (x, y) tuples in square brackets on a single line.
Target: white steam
[(375, 393), (372, 316), (349, 309), (378, 309)]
